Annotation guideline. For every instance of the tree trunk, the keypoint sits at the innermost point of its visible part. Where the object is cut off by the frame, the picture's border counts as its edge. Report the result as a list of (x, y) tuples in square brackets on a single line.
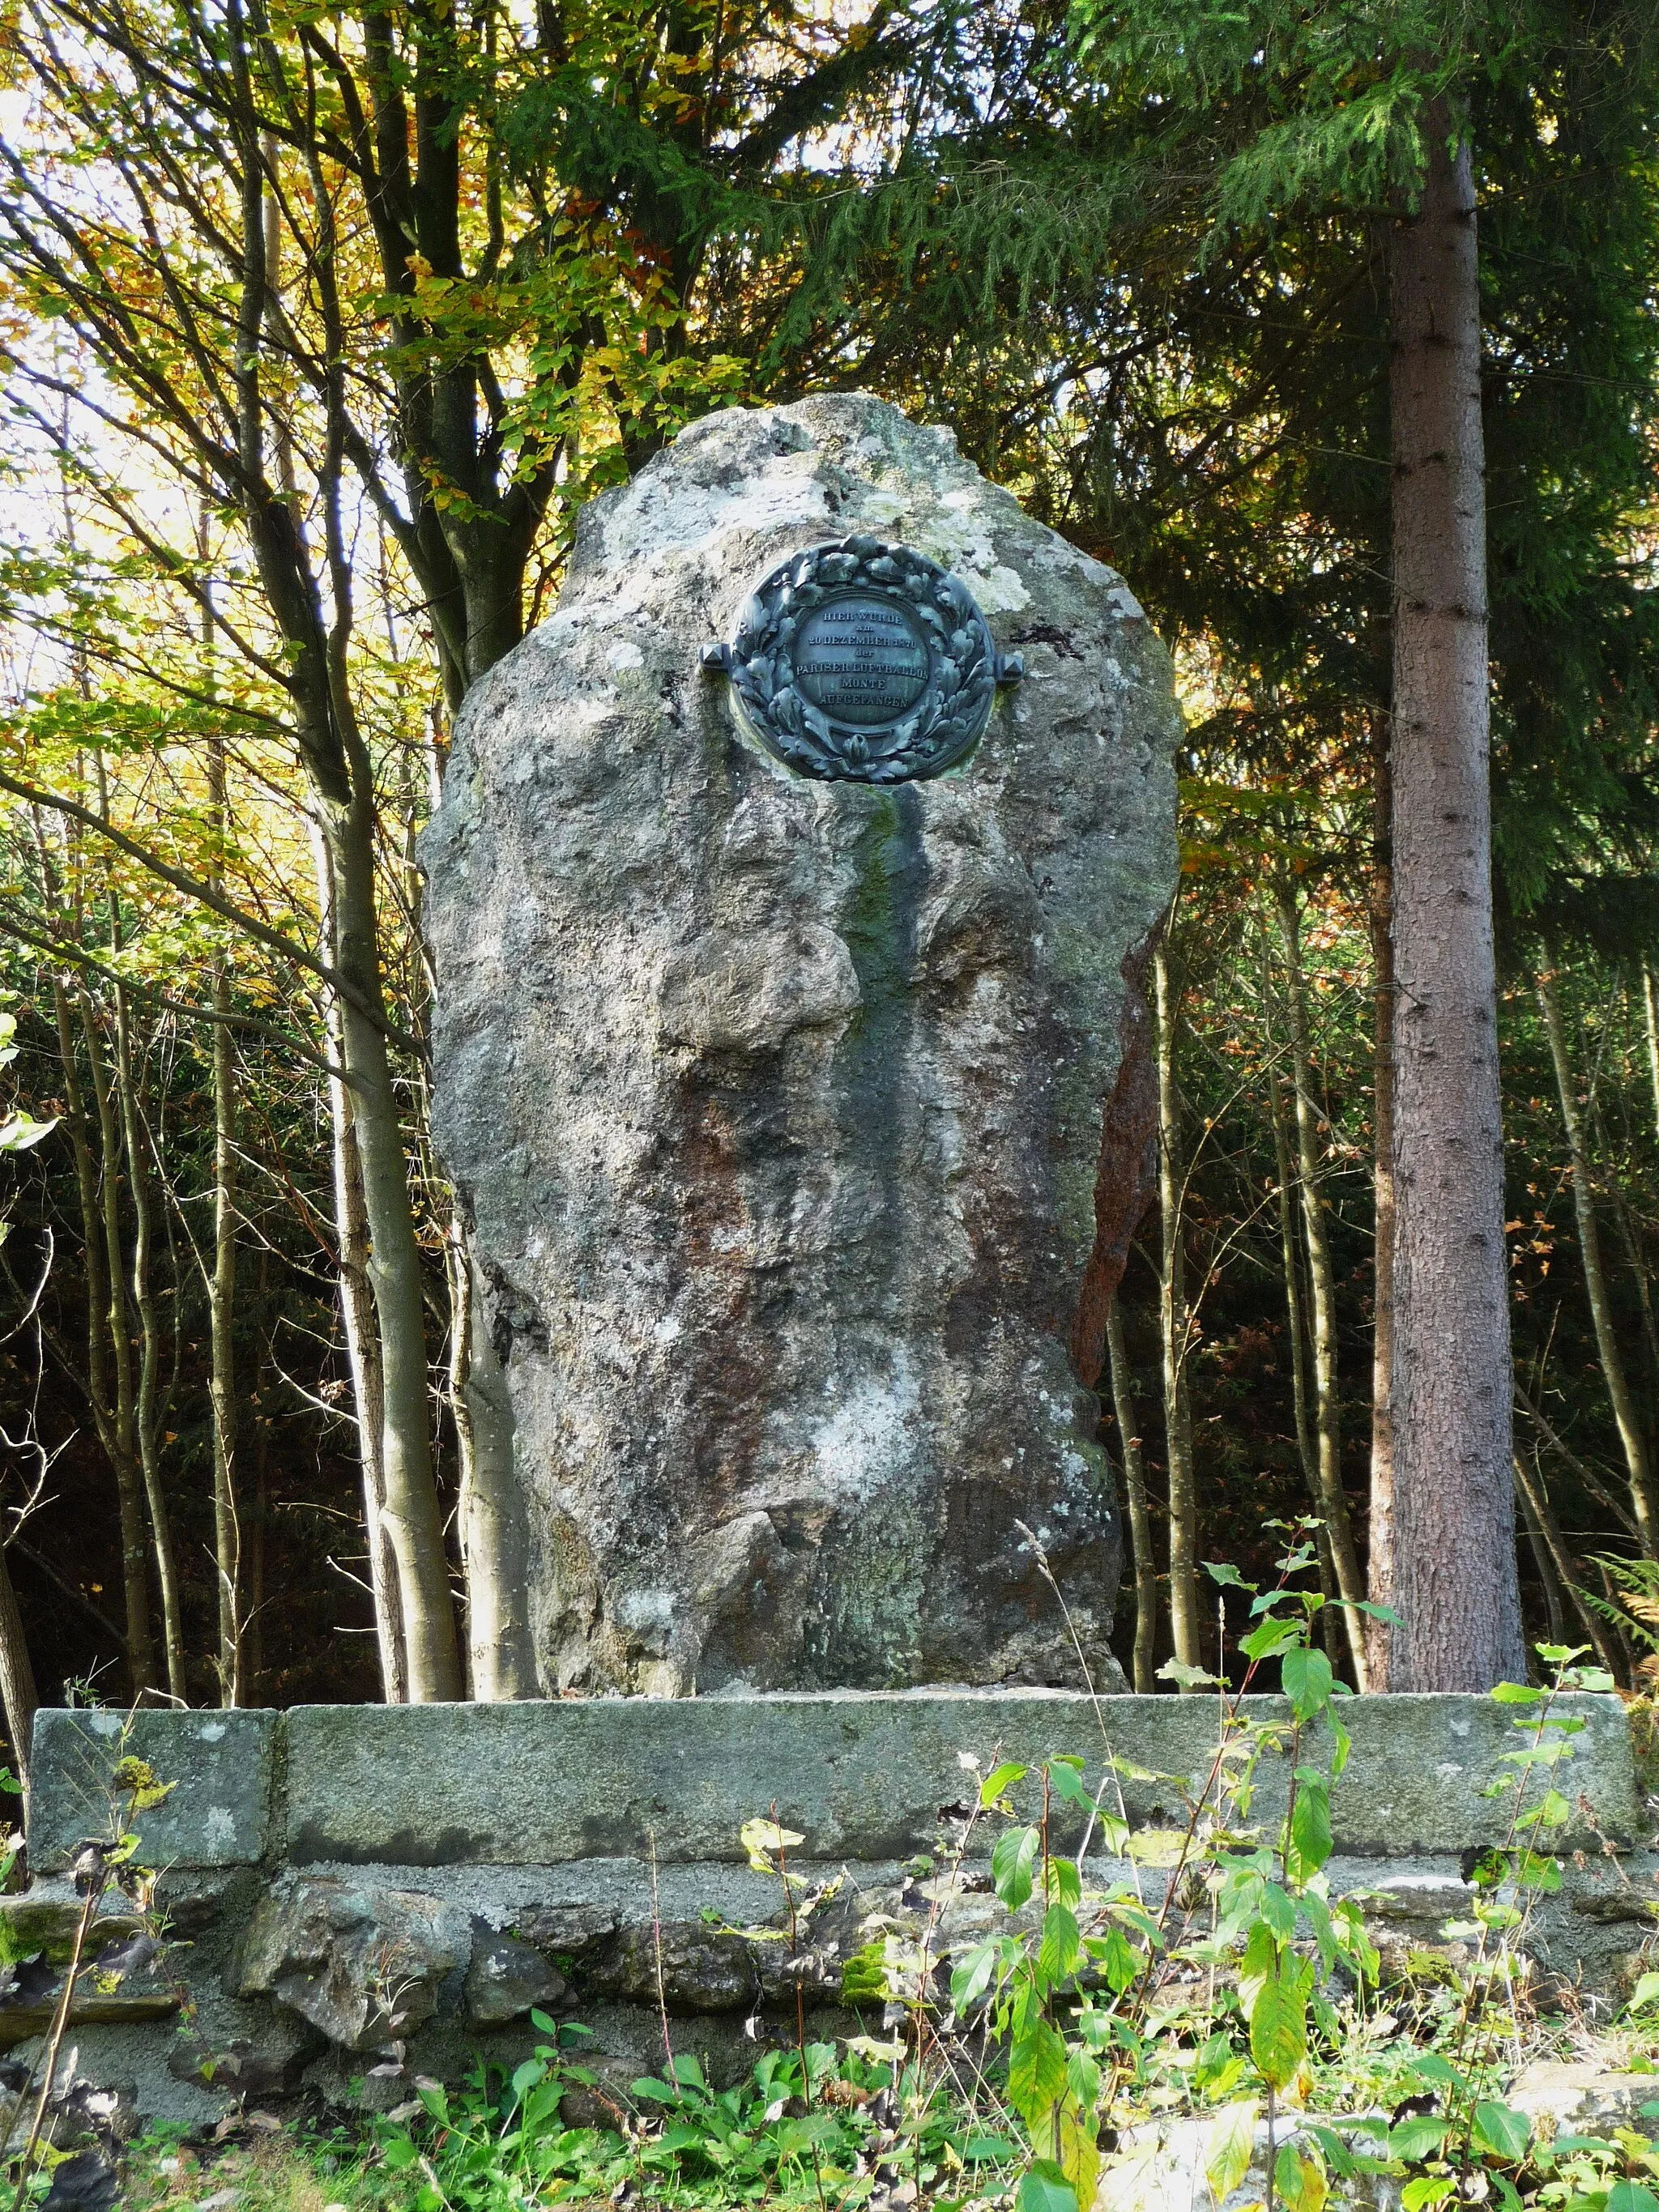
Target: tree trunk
[(1380, 1530), (1327, 1415), (1295, 1333), (221, 1318), (1186, 1620), (18, 1694), (128, 1484), (149, 1409), (1651, 1012), (409, 1511), (362, 1342), (1134, 1493), (1567, 1569), (1454, 1572), (1549, 1582), (494, 1533), (1644, 1502)]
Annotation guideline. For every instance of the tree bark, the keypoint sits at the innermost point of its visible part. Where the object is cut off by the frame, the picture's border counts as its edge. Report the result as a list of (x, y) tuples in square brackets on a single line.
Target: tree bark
[(18, 1694), (495, 1531), (123, 1448), (1571, 1575), (1454, 1586), (148, 1408), (1296, 1332), (222, 1320), (1134, 1493), (409, 1511), (1651, 1010), (362, 1346), (1175, 1327), (1327, 1415), (1643, 1502), (1380, 1529)]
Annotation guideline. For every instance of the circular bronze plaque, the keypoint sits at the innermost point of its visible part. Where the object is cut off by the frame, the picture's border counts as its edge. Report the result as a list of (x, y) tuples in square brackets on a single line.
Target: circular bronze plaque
[(863, 662), (862, 658)]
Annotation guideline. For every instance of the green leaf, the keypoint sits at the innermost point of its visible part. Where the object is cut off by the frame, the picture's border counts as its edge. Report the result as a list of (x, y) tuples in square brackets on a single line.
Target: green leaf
[(1299, 2182), (399, 2153), (1418, 2137), (1431, 2189), (1270, 1637), (1045, 2189), (1310, 1828), (1306, 1677), (1062, 1945), (1228, 1577), (1120, 1961), (1227, 2152), (1036, 2070), (1502, 2131), (1515, 1693), (1189, 1678), (1067, 1782), (970, 1980), (1631, 2197), (1278, 2030), (1645, 1993), (1010, 1866), (999, 1779)]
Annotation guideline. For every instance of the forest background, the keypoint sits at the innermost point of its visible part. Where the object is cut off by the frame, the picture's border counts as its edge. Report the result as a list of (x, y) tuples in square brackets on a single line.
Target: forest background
[(321, 323)]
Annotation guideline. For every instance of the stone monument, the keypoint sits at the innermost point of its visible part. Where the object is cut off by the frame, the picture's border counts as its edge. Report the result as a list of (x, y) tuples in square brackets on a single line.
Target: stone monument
[(789, 899)]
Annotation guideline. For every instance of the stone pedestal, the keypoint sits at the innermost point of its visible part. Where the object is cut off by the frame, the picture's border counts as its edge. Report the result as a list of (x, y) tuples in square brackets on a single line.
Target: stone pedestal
[(802, 1121)]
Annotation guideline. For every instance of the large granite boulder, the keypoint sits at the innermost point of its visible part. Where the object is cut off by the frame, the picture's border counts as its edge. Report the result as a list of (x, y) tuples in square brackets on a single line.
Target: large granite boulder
[(803, 1123)]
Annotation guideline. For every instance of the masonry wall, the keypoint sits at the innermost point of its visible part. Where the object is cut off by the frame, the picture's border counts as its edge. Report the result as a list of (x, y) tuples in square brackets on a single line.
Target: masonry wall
[(360, 1895)]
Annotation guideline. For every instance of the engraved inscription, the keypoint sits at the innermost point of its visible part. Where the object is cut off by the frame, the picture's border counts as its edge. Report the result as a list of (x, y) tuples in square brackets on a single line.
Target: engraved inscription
[(861, 658)]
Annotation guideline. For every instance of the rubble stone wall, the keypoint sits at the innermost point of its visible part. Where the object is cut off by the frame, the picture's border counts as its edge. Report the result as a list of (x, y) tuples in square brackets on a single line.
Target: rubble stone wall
[(356, 1895)]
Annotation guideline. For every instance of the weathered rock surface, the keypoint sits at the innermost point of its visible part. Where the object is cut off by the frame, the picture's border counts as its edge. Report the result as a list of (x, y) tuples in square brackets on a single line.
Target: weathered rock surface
[(505, 1978), (803, 1123), (360, 1962)]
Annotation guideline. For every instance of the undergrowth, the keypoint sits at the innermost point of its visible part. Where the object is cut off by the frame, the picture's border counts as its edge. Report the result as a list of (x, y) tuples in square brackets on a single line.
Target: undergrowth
[(1130, 1989)]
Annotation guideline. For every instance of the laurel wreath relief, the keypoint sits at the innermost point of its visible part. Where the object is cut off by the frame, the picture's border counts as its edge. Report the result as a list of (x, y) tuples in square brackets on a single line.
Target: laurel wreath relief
[(944, 723)]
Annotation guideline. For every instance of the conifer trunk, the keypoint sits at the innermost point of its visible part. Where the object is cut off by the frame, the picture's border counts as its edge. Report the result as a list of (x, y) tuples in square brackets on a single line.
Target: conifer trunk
[(1379, 1562), (1454, 1585), (1175, 1324)]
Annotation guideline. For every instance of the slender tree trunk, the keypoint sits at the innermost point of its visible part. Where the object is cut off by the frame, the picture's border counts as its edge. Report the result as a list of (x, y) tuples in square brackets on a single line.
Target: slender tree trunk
[(129, 1482), (1327, 1414), (495, 1533), (362, 1346), (1454, 1583), (1651, 1012), (1295, 1333), (1568, 1570), (1176, 1326), (1380, 1529), (1644, 1502), (256, 1521), (1549, 1582), (494, 1526), (221, 1318), (18, 1694), (1630, 1239), (1134, 1493), (227, 1544), (410, 1512), (148, 1410)]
